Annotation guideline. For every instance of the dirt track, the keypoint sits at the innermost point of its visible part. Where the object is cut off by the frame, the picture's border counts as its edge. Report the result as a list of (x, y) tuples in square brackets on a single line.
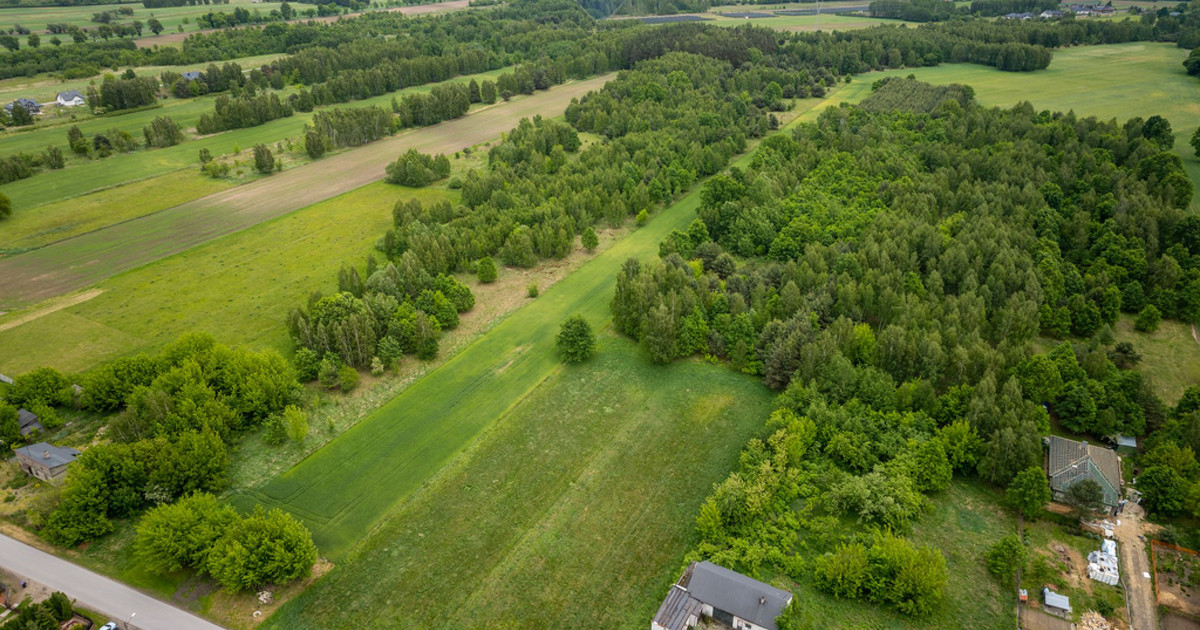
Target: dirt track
[(84, 260), (1135, 565), (416, 9)]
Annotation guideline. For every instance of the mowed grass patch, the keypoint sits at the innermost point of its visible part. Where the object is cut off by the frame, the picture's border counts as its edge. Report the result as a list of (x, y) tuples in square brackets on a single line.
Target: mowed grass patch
[(1113, 81), (63, 219), (1170, 356), (239, 287), (963, 522), (585, 492)]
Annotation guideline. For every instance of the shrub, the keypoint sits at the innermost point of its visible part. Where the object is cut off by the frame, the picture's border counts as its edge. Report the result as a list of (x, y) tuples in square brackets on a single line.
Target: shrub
[(487, 270), (532, 289), (264, 160), (417, 169), (589, 239), (1149, 319), (297, 422), (642, 217), (347, 379)]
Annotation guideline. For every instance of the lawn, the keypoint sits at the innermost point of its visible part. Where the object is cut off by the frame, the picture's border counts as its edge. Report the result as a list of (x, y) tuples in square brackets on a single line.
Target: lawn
[(1117, 81), (238, 288), (1170, 356), (573, 510)]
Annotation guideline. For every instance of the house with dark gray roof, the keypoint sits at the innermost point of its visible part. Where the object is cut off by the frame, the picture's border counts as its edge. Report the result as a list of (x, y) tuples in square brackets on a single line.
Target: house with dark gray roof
[(28, 421), (30, 105), (45, 461), (728, 598), (1068, 462), (192, 75)]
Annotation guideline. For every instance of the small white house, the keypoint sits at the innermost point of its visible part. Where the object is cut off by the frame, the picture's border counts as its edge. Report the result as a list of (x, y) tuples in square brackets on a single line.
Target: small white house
[(1055, 602), (70, 98)]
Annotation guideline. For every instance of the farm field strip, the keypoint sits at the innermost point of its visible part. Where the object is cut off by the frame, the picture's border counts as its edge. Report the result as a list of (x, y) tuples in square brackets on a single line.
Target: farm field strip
[(86, 259), (82, 175), (169, 39), (410, 438), (613, 456)]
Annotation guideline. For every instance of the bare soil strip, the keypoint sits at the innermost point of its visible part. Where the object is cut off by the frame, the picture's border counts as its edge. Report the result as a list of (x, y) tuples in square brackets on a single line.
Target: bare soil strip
[(84, 260), (415, 9), (56, 305)]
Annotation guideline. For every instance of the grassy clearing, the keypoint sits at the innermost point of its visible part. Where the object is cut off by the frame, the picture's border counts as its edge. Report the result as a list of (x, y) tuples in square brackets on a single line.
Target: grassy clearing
[(1170, 356), (1118, 81), (83, 175), (36, 18), (238, 288), (963, 523), (612, 457)]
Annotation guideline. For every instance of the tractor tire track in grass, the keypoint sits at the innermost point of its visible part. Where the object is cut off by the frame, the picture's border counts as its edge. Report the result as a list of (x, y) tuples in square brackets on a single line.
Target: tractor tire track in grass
[(84, 260)]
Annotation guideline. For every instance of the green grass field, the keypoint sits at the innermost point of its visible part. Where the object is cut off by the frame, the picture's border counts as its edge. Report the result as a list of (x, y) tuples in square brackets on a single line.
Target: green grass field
[(1118, 81), (84, 175), (36, 18), (239, 287), (574, 510), (824, 22), (1170, 356)]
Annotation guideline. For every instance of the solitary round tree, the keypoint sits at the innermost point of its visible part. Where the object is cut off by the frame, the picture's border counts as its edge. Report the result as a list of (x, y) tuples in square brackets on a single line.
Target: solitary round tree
[(590, 240), (576, 341), (487, 270)]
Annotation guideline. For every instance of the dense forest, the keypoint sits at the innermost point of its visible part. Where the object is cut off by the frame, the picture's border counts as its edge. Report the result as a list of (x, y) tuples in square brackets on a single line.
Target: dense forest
[(888, 269)]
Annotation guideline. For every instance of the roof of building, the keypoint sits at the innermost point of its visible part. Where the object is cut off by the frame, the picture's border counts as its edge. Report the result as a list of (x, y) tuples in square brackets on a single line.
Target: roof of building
[(28, 421), (48, 455), (191, 74), (69, 95), (1127, 440), (677, 609), (1071, 461), (1056, 600), (28, 103), (737, 594)]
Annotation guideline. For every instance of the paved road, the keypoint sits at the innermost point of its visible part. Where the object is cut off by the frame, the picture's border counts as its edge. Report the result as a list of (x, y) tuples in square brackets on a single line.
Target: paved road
[(96, 592), (84, 260), (1135, 564)]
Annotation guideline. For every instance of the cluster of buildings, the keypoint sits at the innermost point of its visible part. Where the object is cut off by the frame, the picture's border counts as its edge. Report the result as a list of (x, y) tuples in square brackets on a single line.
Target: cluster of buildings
[(70, 98), (1078, 10)]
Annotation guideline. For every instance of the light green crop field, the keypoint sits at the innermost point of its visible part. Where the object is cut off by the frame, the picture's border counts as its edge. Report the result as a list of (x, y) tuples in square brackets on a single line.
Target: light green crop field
[(36, 18), (83, 175), (586, 490), (1116, 81), (1170, 356), (239, 287)]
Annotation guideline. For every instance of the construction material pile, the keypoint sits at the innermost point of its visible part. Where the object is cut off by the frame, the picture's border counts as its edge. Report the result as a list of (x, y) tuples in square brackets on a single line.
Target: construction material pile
[(1091, 620), (1102, 564)]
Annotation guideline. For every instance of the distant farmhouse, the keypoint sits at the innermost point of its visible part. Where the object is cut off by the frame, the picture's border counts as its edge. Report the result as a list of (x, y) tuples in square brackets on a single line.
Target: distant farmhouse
[(192, 75), (70, 98), (30, 105), (730, 599), (1069, 462), (45, 461), (28, 422)]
